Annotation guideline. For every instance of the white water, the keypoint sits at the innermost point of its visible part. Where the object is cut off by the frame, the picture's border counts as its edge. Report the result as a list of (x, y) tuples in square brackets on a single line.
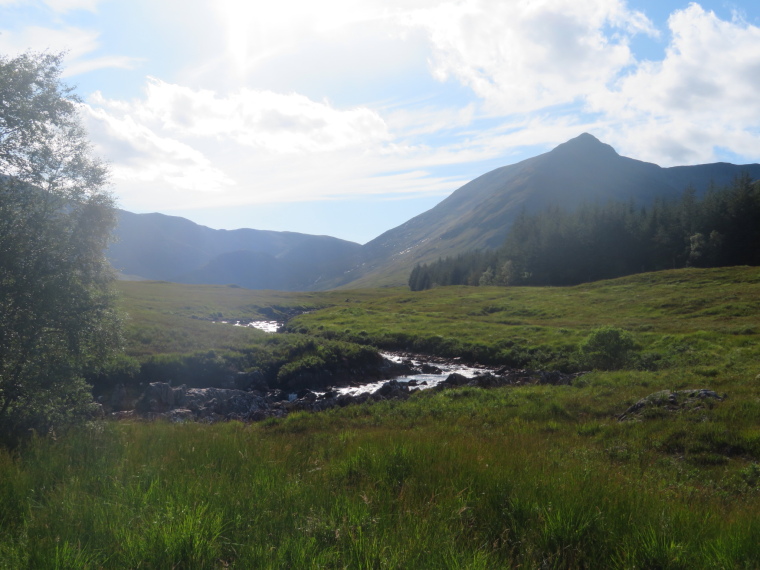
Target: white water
[(430, 380), (266, 326)]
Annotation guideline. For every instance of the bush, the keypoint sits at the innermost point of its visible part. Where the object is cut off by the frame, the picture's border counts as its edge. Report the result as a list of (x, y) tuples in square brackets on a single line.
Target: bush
[(607, 348)]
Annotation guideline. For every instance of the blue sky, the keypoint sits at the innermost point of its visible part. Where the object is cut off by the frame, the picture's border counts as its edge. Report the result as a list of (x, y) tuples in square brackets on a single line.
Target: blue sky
[(348, 117)]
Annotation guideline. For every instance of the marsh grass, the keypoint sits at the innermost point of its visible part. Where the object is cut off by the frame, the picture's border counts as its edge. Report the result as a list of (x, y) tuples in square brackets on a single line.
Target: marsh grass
[(531, 476), (704, 318), (534, 476), (678, 318)]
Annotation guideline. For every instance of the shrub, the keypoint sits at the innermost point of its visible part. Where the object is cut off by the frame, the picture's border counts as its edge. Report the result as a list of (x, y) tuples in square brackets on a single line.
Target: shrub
[(607, 348)]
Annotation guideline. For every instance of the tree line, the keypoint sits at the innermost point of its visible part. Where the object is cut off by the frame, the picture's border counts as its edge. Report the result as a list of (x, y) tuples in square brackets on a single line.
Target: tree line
[(592, 242)]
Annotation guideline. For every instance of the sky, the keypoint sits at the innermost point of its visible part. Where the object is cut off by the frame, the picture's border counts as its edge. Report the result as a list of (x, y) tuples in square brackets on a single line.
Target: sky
[(349, 117)]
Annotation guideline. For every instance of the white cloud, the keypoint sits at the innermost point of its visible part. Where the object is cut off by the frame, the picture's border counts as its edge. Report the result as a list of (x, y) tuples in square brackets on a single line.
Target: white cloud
[(547, 59), (703, 94), (246, 147), (257, 30), (140, 154), (521, 56), (284, 123), (75, 66)]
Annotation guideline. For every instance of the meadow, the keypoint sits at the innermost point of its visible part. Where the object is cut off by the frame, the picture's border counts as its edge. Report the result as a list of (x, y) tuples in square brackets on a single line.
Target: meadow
[(533, 476)]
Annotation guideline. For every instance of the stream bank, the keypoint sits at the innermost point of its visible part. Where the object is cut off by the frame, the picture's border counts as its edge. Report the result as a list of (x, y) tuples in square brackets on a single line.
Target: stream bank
[(160, 400)]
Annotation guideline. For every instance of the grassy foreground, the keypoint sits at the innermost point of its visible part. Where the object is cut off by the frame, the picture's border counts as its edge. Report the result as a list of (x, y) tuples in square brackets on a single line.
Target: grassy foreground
[(464, 479), (534, 476)]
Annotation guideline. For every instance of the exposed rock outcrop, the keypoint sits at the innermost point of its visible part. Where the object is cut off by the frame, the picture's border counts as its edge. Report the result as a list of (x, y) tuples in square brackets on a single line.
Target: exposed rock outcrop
[(666, 401)]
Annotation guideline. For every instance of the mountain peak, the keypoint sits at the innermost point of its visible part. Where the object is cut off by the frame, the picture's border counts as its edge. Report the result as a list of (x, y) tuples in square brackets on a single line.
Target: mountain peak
[(585, 144)]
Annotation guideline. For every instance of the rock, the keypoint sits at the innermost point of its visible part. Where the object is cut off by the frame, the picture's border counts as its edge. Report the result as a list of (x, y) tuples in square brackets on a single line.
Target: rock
[(677, 401), (158, 397), (390, 369), (307, 395), (556, 378), (392, 389), (224, 402), (256, 402), (488, 380), (258, 416), (179, 415), (455, 379)]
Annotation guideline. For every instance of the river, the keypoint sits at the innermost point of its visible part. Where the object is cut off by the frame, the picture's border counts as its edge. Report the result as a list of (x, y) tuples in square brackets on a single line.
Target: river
[(421, 381)]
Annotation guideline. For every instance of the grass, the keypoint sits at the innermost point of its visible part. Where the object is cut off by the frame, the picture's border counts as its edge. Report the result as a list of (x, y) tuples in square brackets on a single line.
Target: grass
[(688, 317), (532, 476), (691, 313), (459, 479)]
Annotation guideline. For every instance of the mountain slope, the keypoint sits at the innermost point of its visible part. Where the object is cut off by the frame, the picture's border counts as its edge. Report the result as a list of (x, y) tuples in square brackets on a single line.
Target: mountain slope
[(479, 214), (160, 247)]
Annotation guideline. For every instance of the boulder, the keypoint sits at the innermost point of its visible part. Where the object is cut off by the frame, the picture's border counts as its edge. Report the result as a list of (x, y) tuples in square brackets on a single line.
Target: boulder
[(455, 379), (125, 415), (157, 398), (391, 390), (488, 381), (672, 401)]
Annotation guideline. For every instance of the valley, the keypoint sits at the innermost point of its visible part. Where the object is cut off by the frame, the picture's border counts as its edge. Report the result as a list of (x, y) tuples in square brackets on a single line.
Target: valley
[(610, 424), (526, 353)]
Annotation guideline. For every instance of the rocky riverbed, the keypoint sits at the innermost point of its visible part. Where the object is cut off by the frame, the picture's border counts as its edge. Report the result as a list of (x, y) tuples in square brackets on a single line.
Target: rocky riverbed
[(413, 373)]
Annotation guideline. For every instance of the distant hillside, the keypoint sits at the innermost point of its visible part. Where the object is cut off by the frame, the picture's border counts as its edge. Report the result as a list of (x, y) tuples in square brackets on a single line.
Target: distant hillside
[(479, 214), (155, 246), (476, 216)]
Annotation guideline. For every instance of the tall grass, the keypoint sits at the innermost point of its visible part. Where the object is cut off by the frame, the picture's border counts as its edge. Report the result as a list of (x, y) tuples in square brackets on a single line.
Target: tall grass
[(428, 483)]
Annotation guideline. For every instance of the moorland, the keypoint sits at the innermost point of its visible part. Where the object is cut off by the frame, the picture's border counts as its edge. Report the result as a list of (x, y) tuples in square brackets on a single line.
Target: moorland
[(618, 425), (532, 475)]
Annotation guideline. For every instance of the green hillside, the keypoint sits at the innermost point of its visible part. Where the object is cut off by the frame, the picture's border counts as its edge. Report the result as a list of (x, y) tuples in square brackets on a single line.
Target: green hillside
[(534, 475)]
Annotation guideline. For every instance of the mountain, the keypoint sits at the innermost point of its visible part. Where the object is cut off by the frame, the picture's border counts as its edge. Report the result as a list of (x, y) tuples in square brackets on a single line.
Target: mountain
[(170, 248), (479, 214)]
